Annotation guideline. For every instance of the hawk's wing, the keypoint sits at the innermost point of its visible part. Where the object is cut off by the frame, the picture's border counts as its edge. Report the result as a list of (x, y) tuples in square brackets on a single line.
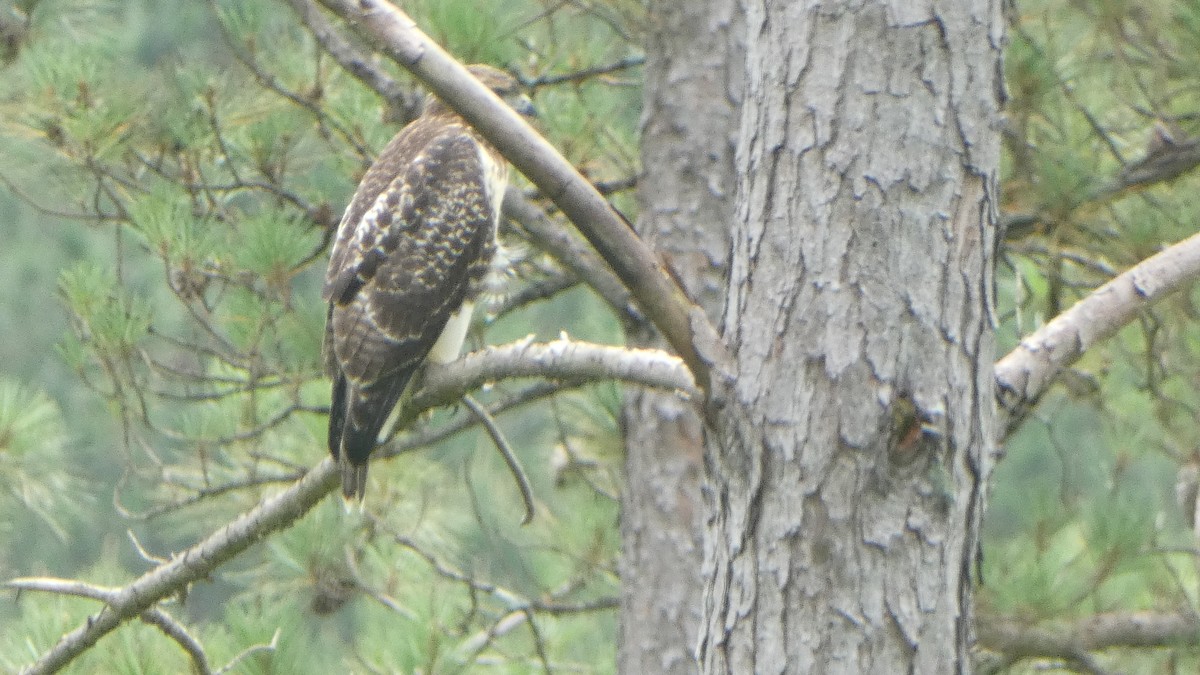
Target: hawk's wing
[(415, 242)]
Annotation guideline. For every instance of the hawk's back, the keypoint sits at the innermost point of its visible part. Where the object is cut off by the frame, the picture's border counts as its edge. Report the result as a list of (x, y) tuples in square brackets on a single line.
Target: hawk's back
[(414, 244)]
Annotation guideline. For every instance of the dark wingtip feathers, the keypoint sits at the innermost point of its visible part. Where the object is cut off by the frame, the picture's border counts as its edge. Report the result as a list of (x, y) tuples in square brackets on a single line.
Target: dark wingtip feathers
[(354, 480), (355, 419)]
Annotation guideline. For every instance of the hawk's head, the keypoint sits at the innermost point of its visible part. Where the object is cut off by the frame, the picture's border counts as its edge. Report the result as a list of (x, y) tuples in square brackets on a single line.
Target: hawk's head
[(505, 86)]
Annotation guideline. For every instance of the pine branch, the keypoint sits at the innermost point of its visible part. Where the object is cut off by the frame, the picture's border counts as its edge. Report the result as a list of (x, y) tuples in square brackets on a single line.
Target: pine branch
[(152, 616), (355, 61), (572, 253), (1027, 371)]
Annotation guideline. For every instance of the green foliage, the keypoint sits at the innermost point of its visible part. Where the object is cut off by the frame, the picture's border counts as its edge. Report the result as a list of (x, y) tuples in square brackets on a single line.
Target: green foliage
[(33, 437)]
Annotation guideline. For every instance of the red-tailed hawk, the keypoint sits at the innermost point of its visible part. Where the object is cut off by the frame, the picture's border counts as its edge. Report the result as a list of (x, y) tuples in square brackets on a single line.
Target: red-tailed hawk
[(411, 255)]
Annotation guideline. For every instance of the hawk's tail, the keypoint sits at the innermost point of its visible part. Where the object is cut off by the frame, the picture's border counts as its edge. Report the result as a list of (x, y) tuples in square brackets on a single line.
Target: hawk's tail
[(355, 419)]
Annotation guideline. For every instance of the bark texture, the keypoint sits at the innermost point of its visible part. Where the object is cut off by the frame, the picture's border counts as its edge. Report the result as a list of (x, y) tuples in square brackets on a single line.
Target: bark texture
[(694, 65), (854, 436)]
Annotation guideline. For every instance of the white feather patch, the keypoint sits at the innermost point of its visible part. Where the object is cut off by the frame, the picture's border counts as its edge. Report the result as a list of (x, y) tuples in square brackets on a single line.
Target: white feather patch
[(450, 342)]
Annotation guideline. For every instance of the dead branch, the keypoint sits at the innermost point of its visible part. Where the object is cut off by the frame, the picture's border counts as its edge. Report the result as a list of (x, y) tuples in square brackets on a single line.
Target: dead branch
[(1027, 371)]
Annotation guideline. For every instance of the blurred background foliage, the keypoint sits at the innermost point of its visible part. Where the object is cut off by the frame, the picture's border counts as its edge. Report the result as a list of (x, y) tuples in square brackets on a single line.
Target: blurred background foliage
[(169, 176)]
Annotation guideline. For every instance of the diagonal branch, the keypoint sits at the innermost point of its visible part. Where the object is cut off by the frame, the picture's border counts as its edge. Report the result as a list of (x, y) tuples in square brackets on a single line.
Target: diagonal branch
[(685, 327), (509, 455), (1027, 371), (562, 359), (564, 247)]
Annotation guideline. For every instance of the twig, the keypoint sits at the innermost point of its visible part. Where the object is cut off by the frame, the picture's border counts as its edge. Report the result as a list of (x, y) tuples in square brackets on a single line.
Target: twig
[(174, 630), (685, 327), (250, 651), (585, 73), (153, 616), (1027, 371), (426, 437), (543, 289), (141, 550), (356, 62), (506, 451), (268, 81)]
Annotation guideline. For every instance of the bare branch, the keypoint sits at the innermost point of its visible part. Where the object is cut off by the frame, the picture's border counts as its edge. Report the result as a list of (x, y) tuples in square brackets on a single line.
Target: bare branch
[(1067, 640), (585, 73), (685, 327), (1158, 166), (1027, 371), (250, 651), (271, 514), (174, 630), (79, 589)]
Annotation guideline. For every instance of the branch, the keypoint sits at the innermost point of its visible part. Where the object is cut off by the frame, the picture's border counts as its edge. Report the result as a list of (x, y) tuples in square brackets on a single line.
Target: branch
[(1027, 371), (153, 616), (562, 359), (195, 563), (1161, 164), (685, 327), (1064, 639)]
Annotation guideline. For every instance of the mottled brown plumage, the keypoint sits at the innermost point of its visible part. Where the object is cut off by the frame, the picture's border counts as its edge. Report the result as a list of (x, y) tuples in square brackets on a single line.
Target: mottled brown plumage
[(412, 249)]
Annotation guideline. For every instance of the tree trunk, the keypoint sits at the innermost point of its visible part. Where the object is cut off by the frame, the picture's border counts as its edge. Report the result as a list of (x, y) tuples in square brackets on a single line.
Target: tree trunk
[(694, 70), (852, 443)]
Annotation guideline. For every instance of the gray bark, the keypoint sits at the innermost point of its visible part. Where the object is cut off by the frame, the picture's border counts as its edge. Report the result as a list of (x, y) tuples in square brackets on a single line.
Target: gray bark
[(693, 71), (852, 440)]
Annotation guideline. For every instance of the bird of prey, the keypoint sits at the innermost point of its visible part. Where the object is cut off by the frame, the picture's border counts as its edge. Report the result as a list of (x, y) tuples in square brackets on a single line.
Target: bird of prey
[(412, 253)]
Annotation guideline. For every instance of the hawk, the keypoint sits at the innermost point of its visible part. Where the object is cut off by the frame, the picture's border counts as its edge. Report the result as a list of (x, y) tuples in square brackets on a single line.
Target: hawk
[(412, 253)]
